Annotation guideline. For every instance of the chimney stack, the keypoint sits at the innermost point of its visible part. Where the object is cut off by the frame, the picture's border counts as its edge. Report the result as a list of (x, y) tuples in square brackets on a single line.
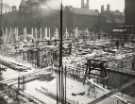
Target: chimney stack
[(108, 7), (102, 8)]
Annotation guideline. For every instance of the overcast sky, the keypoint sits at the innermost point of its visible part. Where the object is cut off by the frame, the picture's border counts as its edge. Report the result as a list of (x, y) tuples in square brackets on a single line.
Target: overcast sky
[(94, 4)]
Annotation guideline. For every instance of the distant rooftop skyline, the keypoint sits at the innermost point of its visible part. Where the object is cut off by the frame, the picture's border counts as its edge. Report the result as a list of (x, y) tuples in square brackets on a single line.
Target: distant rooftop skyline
[(94, 4)]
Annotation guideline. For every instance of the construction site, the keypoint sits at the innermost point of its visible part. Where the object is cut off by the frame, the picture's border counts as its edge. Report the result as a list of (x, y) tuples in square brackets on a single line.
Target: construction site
[(68, 55)]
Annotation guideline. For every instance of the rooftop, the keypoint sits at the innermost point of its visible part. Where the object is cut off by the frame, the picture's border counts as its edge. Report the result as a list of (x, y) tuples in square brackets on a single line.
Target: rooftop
[(84, 11)]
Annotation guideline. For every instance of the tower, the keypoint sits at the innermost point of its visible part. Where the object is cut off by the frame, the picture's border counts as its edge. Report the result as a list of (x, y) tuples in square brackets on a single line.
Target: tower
[(108, 7), (102, 8), (85, 4)]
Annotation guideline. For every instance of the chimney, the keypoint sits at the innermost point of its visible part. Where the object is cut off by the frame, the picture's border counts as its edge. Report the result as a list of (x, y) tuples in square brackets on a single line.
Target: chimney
[(108, 7), (102, 8), (82, 3)]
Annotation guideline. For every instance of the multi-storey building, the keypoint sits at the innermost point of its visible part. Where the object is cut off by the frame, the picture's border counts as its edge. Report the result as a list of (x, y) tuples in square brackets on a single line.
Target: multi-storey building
[(42, 23)]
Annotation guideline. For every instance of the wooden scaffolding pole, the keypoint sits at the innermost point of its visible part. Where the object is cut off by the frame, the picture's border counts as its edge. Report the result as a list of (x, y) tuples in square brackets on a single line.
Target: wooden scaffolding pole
[(61, 97)]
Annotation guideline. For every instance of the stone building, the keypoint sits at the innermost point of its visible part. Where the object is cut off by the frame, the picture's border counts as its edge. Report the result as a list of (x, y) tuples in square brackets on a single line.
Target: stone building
[(32, 26), (42, 23)]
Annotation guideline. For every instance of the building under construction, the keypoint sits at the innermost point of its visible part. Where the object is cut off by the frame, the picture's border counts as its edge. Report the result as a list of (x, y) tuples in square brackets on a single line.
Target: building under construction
[(66, 55)]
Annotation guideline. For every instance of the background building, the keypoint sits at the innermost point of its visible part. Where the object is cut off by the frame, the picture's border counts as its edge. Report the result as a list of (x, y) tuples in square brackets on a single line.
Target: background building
[(130, 12), (130, 15), (32, 19)]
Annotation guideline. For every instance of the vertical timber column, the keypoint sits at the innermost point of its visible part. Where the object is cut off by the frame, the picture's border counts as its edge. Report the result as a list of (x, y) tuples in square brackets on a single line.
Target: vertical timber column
[(66, 34), (3, 32), (40, 33), (44, 32), (45, 37), (10, 35), (56, 34), (36, 33), (61, 98), (49, 33), (17, 34), (13, 34), (25, 32), (32, 32), (87, 32), (76, 31), (6, 35)]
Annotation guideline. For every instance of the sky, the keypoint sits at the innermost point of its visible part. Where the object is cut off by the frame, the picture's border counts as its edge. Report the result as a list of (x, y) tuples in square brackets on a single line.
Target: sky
[(94, 4)]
